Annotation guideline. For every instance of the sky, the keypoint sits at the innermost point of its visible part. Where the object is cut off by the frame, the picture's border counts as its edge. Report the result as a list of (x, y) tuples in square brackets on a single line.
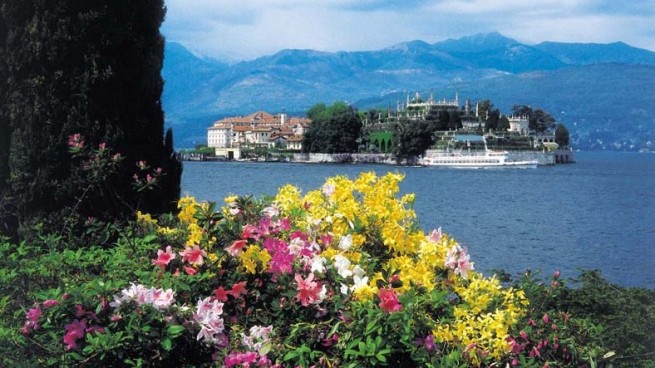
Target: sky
[(236, 30)]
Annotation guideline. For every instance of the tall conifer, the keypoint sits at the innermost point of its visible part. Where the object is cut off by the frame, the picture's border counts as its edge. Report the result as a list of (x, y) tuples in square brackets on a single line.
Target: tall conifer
[(90, 67)]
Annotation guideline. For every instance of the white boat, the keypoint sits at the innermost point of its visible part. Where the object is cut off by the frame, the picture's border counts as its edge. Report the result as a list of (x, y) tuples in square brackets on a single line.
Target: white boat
[(470, 151)]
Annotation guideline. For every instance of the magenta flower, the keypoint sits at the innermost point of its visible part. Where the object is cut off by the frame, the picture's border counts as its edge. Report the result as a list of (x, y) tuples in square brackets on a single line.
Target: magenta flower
[(281, 258), (32, 322), (389, 301), (74, 331), (193, 255), (164, 257), (50, 303)]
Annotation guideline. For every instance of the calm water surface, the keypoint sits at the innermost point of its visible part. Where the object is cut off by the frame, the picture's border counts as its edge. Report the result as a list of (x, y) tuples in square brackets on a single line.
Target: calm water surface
[(596, 214)]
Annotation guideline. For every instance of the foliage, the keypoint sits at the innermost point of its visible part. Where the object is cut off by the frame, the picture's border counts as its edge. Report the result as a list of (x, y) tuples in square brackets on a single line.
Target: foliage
[(334, 129), (562, 135), (70, 67), (539, 120), (411, 138), (619, 319), (503, 123), (339, 276)]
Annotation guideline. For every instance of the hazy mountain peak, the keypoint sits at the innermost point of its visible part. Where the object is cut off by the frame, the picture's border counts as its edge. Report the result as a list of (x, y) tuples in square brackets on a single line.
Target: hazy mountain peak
[(476, 42)]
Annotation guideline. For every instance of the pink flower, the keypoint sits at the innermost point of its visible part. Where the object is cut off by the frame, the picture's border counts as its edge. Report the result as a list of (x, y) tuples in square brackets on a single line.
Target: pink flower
[(32, 323), (309, 291), (162, 299), (102, 146), (193, 255), (546, 319), (208, 316), (50, 303), (33, 314), (221, 294), (75, 141), (459, 261), (236, 247), (238, 289), (190, 270), (164, 257), (142, 165), (389, 301), (281, 258), (250, 231), (74, 331), (435, 235)]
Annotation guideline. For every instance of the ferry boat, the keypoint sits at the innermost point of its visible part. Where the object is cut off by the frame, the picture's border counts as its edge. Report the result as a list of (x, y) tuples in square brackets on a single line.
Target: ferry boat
[(470, 151)]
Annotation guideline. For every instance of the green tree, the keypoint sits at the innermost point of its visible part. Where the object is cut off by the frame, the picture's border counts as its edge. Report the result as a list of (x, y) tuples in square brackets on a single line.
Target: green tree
[(411, 138), (493, 118), (539, 121), (89, 67), (334, 129), (562, 135), (317, 112), (454, 121), (503, 123)]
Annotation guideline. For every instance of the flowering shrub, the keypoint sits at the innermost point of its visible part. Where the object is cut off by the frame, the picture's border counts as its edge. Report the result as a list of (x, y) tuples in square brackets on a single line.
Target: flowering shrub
[(339, 276)]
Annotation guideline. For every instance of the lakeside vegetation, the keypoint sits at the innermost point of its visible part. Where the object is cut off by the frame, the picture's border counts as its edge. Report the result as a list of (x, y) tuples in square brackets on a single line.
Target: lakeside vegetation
[(323, 278)]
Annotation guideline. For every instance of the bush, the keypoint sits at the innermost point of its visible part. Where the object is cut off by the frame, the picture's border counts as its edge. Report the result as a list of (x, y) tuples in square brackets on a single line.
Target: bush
[(339, 276)]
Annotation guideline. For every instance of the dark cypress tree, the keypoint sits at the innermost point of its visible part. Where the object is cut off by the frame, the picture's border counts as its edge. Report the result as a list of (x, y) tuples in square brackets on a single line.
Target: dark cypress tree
[(4, 124), (90, 67)]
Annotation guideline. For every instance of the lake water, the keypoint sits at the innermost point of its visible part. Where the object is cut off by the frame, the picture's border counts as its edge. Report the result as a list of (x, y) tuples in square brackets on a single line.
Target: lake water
[(598, 213)]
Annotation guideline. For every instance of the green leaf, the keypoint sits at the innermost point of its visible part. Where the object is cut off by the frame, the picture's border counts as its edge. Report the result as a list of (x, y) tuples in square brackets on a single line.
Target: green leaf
[(167, 344), (292, 354), (381, 357), (265, 349), (174, 330)]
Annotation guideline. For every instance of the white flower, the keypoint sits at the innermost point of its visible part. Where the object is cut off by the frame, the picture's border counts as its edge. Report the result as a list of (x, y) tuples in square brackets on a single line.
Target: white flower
[(328, 189), (342, 264), (346, 242), (271, 211), (318, 264)]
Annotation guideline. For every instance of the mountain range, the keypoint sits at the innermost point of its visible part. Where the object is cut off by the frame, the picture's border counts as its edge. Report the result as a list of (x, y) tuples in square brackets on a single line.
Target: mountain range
[(603, 93)]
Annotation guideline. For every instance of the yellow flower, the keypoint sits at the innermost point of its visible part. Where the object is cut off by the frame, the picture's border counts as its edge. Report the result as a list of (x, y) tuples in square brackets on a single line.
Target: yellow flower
[(187, 206), (145, 219), (166, 231), (254, 256), (194, 236)]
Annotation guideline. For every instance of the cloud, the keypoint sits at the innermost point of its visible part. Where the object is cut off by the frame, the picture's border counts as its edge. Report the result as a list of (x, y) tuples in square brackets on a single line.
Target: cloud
[(247, 29)]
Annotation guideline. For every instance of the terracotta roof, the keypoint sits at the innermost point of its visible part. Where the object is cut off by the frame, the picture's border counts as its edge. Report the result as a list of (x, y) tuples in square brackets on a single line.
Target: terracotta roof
[(260, 118), (295, 138)]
